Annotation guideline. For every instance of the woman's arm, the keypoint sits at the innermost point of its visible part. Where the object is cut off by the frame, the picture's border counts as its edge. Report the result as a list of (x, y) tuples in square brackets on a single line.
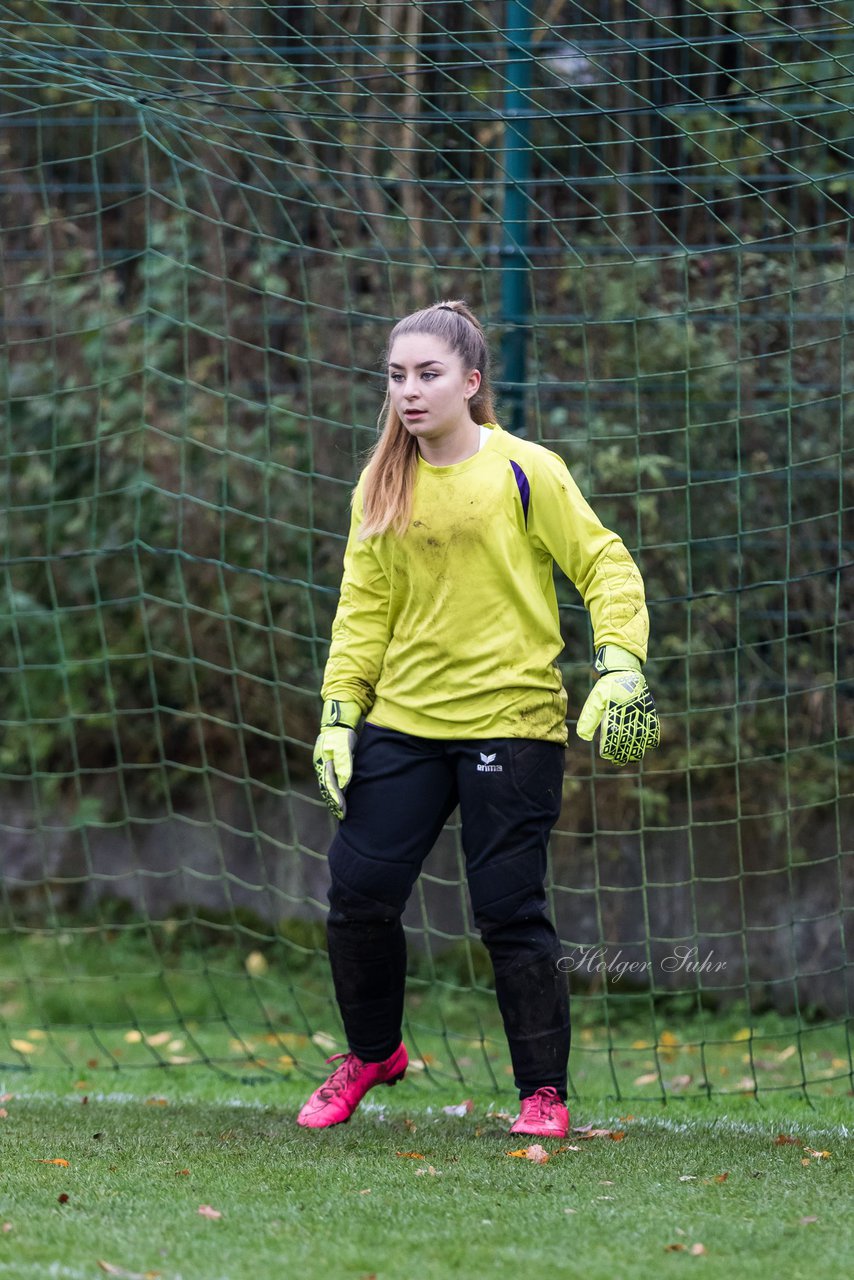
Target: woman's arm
[(360, 631), (592, 557)]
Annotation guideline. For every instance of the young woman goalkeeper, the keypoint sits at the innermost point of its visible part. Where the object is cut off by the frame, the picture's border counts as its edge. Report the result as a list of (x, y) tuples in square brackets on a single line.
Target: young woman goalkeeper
[(441, 689)]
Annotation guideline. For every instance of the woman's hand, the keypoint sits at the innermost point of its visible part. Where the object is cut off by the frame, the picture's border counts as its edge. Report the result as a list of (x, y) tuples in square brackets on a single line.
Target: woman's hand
[(622, 703), (333, 752)]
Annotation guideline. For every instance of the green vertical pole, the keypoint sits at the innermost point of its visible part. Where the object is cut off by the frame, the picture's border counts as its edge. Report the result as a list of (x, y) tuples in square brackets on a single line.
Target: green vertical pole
[(516, 161)]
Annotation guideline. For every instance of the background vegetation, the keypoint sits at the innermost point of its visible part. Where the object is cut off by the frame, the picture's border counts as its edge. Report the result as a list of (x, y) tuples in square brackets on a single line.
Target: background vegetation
[(209, 216)]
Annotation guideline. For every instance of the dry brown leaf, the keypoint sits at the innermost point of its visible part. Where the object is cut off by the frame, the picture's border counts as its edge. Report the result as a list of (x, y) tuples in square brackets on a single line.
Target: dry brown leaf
[(428, 1169), (817, 1155), (207, 1211), (697, 1249), (3, 1113), (123, 1274), (650, 1078), (59, 1161), (674, 1248), (461, 1109), (63, 1199), (180, 1172), (535, 1152), (411, 1155), (616, 1135), (783, 1138), (680, 1082), (157, 1102)]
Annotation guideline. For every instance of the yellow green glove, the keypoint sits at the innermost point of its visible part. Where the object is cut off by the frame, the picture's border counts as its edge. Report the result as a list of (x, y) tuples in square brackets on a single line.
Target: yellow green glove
[(333, 752), (622, 704)]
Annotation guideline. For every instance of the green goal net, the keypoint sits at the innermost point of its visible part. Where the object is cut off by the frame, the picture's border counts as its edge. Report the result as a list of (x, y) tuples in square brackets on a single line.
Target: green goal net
[(210, 213)]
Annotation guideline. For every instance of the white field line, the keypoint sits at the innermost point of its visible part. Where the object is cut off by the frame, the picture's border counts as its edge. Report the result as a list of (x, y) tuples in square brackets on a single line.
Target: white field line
[(725, 1123)]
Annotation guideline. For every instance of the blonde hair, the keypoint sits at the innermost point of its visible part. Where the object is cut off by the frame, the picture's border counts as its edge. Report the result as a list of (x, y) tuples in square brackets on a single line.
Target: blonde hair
[(389, 478)]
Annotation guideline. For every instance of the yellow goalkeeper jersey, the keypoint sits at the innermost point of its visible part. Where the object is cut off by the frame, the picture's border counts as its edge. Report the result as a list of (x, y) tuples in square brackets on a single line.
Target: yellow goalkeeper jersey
[(452, 630)]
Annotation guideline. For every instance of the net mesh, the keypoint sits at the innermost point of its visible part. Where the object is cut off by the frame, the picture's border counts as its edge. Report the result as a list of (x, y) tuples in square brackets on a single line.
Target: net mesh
[(210, 215)]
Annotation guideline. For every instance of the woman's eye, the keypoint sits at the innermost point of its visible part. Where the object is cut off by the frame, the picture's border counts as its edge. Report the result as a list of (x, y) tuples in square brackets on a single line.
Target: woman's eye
[(429, 375)]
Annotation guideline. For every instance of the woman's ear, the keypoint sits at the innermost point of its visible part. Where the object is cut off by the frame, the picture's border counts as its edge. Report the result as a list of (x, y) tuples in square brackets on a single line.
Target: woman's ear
[(472, 384)]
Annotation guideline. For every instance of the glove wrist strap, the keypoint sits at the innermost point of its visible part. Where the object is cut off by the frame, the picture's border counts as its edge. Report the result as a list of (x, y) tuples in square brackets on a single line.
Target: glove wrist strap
[(610, 657), (345, 715)]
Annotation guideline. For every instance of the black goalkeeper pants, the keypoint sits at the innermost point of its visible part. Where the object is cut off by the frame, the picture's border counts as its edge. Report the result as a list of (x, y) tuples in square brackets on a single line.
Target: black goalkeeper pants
[(402, 792)]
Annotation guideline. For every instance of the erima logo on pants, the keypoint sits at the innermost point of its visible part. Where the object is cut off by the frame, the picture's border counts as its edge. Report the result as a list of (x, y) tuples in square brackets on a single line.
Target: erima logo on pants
[(486, 764)]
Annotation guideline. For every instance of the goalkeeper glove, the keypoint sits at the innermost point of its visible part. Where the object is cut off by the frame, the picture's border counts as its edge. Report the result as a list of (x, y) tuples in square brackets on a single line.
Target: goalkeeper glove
[(333, 752), (621, 702)]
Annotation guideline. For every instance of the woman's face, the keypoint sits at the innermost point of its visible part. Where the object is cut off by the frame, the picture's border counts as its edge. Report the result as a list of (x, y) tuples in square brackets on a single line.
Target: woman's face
[(428, 386)]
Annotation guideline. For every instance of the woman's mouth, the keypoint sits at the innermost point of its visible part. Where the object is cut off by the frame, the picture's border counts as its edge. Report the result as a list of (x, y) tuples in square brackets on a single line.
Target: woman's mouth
[(414, 414)]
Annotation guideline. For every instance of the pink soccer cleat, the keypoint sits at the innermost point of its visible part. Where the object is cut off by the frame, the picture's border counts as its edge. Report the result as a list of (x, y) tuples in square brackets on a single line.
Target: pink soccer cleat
[(543, 1114), (339, 1096)]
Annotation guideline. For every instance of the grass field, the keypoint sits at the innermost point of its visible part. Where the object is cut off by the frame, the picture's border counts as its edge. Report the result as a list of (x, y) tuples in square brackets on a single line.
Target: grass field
[(107, 1159), (407, 1191)]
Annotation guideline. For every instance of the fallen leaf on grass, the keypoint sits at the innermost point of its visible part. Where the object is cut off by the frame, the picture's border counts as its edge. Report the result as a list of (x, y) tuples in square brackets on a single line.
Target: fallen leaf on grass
[(461, 1109), (783, 1138), (323, 1041), (3, 1113), (696, 1249), (817, 1155), (7, 1226), (678, 1082), (650, 1078), (157, 1102), (587, 1131), (499, 1115), (208, 1212), (180, 1172), (411, 1155), (23, 1046), (536, 1153), (124, 1274), (806, 1221), (159, 1037), (434, 1173), (59, 1161), (63, 1199), (256, 964)]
